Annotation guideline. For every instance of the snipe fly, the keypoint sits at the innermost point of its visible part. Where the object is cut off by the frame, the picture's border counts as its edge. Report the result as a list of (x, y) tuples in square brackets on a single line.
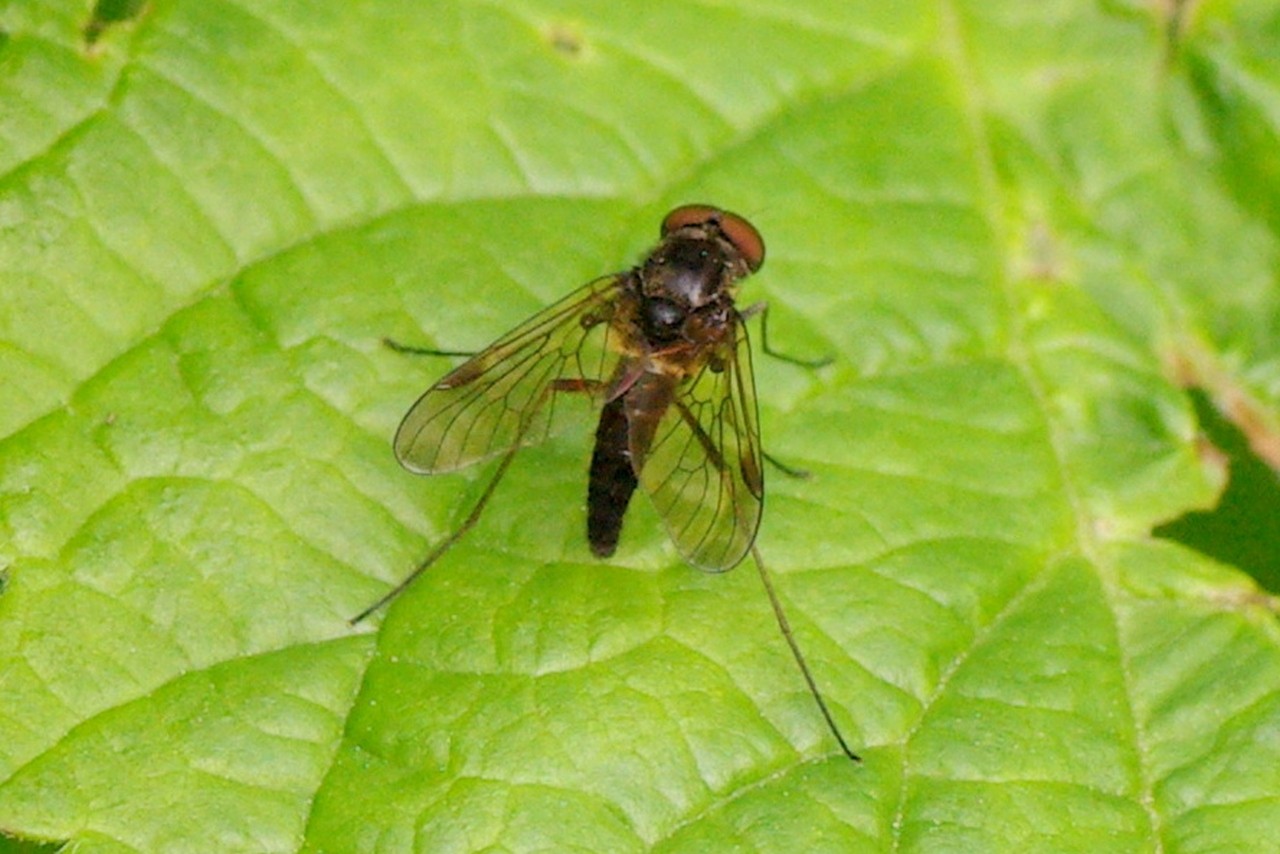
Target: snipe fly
[(662, 349)]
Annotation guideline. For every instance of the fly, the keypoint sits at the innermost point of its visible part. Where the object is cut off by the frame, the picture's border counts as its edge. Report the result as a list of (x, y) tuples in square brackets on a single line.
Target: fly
[(662, 349)]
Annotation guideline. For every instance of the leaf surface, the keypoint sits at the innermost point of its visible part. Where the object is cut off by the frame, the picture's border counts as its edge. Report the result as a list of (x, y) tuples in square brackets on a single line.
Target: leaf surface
[(1020, 230)]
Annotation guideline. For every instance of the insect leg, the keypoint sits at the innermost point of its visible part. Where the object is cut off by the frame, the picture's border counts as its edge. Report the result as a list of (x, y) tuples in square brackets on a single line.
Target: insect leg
[(789, 471), (447, 543), (714, 454), (474, 515), (785, 626), (708, 446), (410, 350), (762, 309)]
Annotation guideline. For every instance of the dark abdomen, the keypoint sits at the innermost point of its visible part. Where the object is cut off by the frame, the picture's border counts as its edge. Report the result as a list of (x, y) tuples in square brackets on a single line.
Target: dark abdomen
[(612, 480)]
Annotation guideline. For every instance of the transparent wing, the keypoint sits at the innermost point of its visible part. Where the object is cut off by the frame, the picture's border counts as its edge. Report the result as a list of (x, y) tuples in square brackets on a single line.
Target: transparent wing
[(703, 467), (504, 395)]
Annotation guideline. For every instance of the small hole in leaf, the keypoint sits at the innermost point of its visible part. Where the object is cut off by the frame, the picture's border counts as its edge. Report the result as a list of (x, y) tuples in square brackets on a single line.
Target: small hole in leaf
[(1242, 530), (108, 13)]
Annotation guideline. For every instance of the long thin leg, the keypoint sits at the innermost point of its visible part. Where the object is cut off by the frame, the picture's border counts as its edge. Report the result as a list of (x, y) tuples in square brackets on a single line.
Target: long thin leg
[(789, 471), (785, 626), (410, 350), (447, 543), (474, 516), (762, 309)]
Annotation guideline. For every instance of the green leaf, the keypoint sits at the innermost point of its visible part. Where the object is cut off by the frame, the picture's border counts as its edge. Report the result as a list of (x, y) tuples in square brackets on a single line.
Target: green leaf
[(1020, 229)]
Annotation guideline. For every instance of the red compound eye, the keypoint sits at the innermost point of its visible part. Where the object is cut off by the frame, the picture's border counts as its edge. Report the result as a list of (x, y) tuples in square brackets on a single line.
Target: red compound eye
[(738, 231)]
